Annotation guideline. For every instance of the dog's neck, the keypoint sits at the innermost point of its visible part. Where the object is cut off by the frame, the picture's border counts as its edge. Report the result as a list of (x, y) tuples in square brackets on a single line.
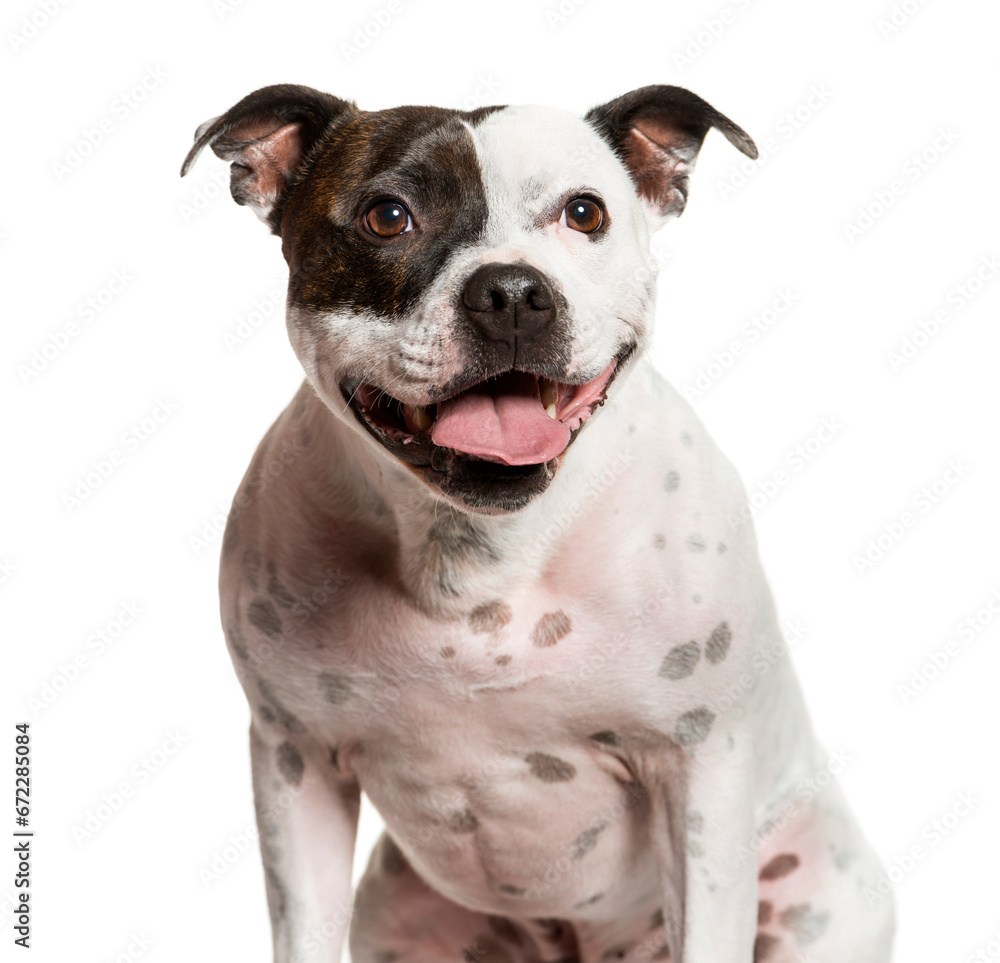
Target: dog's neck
[(449, 560)]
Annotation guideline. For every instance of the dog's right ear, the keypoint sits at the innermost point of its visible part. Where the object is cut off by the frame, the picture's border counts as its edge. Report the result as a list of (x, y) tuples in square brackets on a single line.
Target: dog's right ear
[(268, 136)]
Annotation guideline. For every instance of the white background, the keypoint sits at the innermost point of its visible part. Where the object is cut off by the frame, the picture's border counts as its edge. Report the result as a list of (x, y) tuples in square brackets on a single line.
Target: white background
[(197, 265)]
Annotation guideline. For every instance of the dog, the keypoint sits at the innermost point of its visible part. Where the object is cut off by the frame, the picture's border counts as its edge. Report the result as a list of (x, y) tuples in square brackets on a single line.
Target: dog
[(484, 565)]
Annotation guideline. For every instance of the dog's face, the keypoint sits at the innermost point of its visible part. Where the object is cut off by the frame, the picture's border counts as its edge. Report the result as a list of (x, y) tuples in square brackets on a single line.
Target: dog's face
[(465, 286)]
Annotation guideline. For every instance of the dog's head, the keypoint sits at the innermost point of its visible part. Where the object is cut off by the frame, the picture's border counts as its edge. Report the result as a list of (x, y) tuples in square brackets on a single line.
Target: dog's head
[(465, 286)]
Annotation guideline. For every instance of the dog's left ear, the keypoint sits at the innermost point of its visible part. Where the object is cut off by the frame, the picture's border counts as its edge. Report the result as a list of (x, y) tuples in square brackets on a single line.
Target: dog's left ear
[(657, 132)]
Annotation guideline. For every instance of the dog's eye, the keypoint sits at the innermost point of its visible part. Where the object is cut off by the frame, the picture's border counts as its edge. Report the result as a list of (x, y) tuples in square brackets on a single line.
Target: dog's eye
[(389, 218), (583, 214)]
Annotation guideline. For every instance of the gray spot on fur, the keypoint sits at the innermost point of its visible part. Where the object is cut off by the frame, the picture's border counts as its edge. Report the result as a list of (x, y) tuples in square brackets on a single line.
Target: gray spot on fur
[(291, 765), (266, 712), (587, 840), (804, 923), (279, 593), (550, 628), (503, 659), (695, 543), (695, 822), (335, 688), (446, 652), (277, 896), (262, 615), (511, 890), (693, 726), (659, 541), (589, 902), (764, 946), (490, 616), (671, 482), (717, 646), (549, 768), (694, 848), (680, 661), (607, 738), (251, 566), (685, 439), (463, 821), (283, 716), (451, 541), (721, 547), (236, 641), (780, 866)]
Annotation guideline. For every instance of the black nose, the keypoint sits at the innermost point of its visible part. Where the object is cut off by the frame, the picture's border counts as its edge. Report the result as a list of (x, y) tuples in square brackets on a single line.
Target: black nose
[(509, 302)]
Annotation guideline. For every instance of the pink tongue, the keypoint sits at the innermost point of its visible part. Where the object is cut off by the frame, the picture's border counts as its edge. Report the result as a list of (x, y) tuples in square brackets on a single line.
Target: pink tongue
[(501, 421)]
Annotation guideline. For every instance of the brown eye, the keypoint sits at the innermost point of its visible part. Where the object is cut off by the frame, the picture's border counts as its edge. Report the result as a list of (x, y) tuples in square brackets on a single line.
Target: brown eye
[(583, 214), (388, 218)]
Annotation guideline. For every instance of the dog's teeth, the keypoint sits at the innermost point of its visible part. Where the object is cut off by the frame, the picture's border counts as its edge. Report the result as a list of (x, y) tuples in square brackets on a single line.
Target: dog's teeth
[(550, 395), (420, 417), (550, 410)]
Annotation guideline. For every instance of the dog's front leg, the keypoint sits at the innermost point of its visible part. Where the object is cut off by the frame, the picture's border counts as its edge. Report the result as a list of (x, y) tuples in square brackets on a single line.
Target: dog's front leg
[(702, 822), (307, 816)]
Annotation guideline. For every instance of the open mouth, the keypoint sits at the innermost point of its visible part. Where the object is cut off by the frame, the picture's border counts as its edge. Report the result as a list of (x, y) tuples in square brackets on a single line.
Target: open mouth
[(516, 418)]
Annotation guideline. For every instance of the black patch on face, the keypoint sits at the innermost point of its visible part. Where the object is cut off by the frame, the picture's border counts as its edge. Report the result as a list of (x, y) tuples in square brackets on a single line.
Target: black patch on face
[(421, 156), (717, 646), (262, 615), (549, 768), (680, 661), (291, 765)]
